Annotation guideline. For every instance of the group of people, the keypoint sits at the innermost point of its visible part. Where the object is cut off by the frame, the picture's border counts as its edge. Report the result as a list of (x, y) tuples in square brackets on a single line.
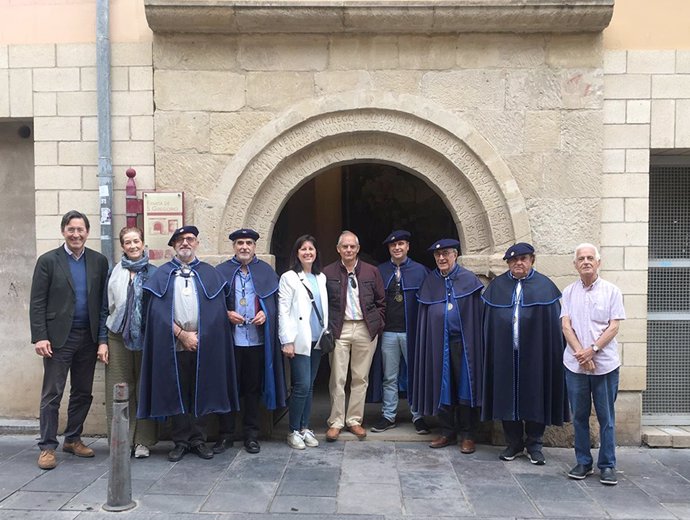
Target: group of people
[(194, 340)]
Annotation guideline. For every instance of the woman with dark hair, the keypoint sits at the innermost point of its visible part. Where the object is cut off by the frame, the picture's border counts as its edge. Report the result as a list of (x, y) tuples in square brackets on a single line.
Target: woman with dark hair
[(302, 316), (125, 335)]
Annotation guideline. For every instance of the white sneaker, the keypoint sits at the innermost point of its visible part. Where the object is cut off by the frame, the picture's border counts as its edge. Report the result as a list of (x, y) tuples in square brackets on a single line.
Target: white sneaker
[(309, 438), (141, 451), (295, 440)]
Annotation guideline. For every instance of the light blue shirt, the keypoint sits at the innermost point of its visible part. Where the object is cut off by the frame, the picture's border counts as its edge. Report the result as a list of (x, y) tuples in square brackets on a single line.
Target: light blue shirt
[(313, 319), (246, 334)]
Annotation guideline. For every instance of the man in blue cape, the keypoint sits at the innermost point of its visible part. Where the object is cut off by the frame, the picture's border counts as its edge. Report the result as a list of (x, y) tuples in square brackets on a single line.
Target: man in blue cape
[(447, 379), (253, 314), (524, 381), (188, 367)]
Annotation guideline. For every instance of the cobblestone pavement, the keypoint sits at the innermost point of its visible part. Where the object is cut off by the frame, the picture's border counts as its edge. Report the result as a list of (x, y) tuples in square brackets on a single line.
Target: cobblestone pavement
[(346, 480)]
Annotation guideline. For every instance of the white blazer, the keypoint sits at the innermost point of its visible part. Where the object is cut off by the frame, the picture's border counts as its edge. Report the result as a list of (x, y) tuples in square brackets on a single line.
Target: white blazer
[(294, 310)]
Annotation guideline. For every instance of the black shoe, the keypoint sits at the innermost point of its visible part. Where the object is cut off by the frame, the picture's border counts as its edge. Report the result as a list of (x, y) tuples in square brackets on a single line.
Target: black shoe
[(580, 471), (221, 445), (421, 427), (202, 451), (608, 477), (536, 457), (510, 453), (177, 453), (252, 446), (382, 425)]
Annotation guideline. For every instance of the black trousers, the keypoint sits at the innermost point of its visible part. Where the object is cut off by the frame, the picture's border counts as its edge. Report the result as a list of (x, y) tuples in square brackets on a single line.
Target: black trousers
[(187, 429), (521, 434), (78, 358), (249, 363), (458, 420)]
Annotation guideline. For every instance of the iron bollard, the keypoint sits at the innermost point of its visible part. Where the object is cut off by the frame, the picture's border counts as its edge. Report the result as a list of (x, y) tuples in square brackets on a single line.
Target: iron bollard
[(120, 477)]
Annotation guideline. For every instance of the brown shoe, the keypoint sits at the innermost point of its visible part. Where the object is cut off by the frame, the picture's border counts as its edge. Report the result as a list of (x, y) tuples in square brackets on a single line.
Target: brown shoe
[(332, 434), (467, 446), (47, 460), (357, 431), (78, 448), (441, 442)]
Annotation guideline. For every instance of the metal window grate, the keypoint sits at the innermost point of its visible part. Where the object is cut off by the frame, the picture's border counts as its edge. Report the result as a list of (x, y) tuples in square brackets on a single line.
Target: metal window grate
[(668, 366), (669, 212), (669, 289)]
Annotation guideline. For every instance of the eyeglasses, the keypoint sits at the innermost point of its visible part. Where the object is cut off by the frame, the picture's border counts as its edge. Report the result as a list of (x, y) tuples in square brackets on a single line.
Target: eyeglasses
[(353, 280), (181, 240)]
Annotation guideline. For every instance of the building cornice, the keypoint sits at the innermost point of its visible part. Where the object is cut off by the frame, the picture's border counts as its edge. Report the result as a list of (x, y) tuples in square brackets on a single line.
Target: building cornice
[(378, 16)]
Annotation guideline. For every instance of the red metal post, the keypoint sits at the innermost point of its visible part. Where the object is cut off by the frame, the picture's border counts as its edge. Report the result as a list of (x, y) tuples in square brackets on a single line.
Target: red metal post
[(134, 205)]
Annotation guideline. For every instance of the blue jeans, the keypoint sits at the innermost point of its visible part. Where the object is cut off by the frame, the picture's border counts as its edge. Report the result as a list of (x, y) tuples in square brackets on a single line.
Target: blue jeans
[(303, 370), (393, 344), (582, 390)]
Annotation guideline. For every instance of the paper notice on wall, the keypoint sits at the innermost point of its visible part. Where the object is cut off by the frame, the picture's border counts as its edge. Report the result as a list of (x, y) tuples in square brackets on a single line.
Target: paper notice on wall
[(103, 190)]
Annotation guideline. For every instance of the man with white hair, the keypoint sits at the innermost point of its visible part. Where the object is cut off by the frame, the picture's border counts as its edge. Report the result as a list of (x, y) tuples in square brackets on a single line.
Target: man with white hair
[(590, 313)]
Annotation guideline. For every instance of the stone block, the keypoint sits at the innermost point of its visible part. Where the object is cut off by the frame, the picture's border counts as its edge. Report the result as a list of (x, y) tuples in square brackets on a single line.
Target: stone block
[(21, 95), (651, 62), (57, 178), (399, 81), (283, 53), (626, 136), (627, 86), (77, 104), (636, 258), (132, 54), (631, 331), (612, 210), (635, 354), (140, 78), (635, 306), (633, 378), (45, 153), (57, 129), (132, 103), (182, 132), (682, 61), (46, 202), (574, 50), (466, 89), (680, 436), (637, 161), (564, 173), (638, 111), (628, 418), (624, 234), (582, 88), (56, 80), (276, 90), (615, 62), (363, 52), (146, 178), (133, 152), (119, 78), (30, 56), (141, 128), (195, 51), (173, 173), (542, 131), (537, 89), (427, 52), (4, 57), (612, 258), (629, 282), (43, 246), (214, 91), (637, 210), (89, 177), (48, 227), (613, 160), (45, 104), (87, 201), (614, 111), (119, 128), (579, 221), (655, 437), (332, 81), (581, 131), (663, 119), (228, 132), (503, 129), (4, 93), (78, 153), (682, 123), (676, 86), (477, 50), (76, 54)]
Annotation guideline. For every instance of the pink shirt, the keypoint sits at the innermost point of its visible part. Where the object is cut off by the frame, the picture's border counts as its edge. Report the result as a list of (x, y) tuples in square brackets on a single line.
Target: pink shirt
[(590, 310)]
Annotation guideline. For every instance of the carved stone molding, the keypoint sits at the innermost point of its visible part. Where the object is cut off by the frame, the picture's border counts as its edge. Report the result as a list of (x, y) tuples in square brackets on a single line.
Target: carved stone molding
[(378, 17)]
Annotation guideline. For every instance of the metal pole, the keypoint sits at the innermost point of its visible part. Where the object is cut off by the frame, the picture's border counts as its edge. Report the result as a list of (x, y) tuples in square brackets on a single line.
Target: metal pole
[(120, 477)]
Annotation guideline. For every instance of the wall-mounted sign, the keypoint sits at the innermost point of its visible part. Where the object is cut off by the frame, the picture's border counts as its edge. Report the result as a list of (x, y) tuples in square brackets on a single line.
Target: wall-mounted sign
[(163, 213)]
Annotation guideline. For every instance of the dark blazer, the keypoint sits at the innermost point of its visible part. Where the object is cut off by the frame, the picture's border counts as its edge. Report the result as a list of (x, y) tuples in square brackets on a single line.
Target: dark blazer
[(53, 299)]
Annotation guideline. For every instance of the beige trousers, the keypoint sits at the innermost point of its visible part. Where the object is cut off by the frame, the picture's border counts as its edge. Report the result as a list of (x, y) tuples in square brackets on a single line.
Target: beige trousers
[(356, 350)]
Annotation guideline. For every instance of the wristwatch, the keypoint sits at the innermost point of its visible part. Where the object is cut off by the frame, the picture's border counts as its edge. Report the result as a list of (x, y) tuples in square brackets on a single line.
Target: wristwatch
[(595, 348)]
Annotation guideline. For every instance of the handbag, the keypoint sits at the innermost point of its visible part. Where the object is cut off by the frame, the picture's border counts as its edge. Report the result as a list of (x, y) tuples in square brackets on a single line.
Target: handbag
[(326, 342)]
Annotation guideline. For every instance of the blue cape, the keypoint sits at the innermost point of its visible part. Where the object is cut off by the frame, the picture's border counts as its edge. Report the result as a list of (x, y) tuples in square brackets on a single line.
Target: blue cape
[(216, 390)]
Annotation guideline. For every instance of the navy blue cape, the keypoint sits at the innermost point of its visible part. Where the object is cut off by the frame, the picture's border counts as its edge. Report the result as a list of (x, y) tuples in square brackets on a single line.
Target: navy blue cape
[(527, 383), (216, 390), (265, 279), (412, 275), (431, 383)]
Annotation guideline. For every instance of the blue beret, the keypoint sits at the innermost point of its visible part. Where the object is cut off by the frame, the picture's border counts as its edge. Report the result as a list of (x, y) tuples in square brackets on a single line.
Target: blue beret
[(398, 234), (244, 233), (182, 231), (445, 243), (521, 248)]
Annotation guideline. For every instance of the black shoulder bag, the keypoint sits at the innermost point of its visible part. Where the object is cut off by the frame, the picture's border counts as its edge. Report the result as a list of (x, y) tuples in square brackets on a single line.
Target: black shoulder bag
[(326, 342)]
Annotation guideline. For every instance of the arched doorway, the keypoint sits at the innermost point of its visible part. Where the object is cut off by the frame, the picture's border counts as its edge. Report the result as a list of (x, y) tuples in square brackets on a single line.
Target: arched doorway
[(370, 199)]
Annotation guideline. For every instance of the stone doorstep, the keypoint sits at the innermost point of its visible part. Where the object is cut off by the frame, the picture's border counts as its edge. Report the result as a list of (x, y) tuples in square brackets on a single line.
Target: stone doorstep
[(666, 436), (10, 426)]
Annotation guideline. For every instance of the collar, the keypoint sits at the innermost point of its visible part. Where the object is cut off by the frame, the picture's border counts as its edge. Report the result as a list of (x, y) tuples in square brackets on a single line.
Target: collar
[(71, 253), (407, 261), (179, 264), (528, 275), (450, 273), (592, 285), (353, 269)]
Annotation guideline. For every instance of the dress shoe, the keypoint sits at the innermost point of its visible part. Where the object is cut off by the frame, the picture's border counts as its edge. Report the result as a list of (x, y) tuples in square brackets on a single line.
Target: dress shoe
[(357, 431), (467, 446), (47, 460), (203, 451), (608, 477), (332, 434), (252, 446), (580, 471), (78, 448), (221, 445), (441, 442), (177, 453)]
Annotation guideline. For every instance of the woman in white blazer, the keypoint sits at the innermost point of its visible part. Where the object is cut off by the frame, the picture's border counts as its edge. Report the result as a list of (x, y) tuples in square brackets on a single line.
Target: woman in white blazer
[(299, 330)]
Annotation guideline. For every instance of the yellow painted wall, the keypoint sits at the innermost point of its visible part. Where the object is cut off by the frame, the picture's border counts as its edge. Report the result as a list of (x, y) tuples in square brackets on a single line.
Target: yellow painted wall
[(649, 24)]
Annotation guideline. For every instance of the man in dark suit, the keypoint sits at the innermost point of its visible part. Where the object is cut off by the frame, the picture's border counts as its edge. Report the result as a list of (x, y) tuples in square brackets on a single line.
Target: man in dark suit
[(67, 315)]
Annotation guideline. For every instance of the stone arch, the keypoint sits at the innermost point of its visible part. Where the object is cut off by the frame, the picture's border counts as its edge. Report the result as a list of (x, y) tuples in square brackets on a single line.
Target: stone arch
[(405, 131)]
